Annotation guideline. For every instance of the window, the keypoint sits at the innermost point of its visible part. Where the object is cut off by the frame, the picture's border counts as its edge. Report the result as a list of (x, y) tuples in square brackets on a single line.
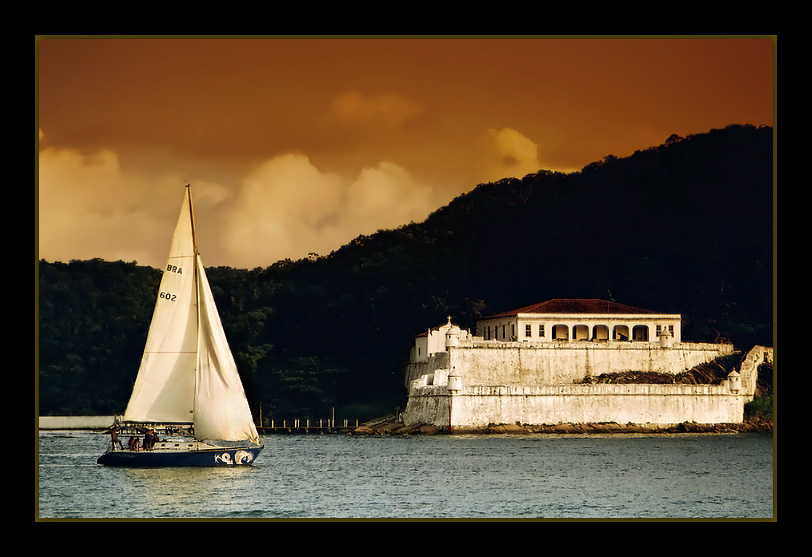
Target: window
[(541, 331), (528, 331), (670, 329)]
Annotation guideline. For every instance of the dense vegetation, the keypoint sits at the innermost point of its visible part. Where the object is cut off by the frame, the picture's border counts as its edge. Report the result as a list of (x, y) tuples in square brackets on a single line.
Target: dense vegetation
[(685, 227)]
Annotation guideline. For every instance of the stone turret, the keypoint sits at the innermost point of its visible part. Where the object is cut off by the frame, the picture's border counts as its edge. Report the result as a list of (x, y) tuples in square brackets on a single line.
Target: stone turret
[(666, 338), (452, 335)]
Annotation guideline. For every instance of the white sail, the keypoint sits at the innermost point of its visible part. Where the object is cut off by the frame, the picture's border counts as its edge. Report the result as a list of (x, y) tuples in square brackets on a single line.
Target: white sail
[(164, 387), (221, 409), (187, 373)]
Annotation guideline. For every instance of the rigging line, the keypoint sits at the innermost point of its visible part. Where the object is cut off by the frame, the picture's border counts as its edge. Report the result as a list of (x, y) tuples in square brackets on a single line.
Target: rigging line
[(195, 253), (192, 217)]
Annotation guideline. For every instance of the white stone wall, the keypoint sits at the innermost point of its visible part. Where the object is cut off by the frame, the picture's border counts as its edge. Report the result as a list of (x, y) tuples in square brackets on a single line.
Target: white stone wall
[(523, 363), (638, 404), (749, 368), (662, 405)]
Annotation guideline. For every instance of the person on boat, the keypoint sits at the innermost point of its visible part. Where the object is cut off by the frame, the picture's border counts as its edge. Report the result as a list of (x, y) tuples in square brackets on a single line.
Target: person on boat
[(149, 439), (134, 444), (114, 438)]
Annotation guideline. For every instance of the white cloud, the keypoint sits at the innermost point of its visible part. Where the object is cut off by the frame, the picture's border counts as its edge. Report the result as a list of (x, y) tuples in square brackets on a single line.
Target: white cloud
[(507, 153), (90, 207), (289, 208), (386, 196), (284, 209)]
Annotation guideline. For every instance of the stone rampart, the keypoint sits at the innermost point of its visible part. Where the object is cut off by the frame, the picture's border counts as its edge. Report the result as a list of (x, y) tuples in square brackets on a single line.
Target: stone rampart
[(663, 405), (524, 363)]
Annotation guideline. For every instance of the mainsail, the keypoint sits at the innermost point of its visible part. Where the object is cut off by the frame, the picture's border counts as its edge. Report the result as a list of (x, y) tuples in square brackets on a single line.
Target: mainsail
[(187, 372)]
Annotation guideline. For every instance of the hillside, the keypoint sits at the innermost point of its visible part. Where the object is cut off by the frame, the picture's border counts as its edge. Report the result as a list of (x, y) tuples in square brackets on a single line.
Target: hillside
[(685, 227)]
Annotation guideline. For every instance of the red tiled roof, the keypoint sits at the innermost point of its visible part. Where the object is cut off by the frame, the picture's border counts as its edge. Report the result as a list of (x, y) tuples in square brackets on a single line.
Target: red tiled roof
[(574, 305)]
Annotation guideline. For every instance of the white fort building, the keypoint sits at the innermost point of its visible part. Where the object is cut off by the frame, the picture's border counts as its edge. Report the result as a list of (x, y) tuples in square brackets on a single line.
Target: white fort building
[(535, 365)]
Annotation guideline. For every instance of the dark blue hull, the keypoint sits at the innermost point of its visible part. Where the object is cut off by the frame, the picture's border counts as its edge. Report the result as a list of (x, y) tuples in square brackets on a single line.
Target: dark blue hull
[(212, 456)]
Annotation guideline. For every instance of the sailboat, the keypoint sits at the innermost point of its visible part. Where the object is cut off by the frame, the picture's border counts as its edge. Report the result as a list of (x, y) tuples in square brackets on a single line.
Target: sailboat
[(187, 378)]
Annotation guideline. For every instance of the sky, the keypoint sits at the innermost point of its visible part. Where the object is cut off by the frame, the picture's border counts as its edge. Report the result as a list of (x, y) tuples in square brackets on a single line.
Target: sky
[(296, 146)]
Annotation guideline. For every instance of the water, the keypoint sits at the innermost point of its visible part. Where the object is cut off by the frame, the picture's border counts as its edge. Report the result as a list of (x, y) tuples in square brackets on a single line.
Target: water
[(467, 476)]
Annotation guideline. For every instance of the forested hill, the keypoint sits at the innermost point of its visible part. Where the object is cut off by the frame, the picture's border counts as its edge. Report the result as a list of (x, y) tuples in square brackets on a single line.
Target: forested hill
[(685, 227)]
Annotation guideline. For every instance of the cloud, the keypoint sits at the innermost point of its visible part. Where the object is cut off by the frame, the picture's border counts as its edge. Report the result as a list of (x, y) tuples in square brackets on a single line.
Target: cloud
[(507, 153), (385, 197), (288, 208), (89, 207), (282, 210)]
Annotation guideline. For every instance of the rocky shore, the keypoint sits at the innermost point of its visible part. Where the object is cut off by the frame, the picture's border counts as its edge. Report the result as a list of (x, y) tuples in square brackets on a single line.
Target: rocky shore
[(391, 426)]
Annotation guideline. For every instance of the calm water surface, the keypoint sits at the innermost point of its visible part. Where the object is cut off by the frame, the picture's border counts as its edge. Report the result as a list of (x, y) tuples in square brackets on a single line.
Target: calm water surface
[(476, 476)]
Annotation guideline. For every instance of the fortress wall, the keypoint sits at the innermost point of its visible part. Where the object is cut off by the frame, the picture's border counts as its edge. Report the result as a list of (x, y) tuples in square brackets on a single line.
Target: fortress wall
[(638, 404), (522, 363)]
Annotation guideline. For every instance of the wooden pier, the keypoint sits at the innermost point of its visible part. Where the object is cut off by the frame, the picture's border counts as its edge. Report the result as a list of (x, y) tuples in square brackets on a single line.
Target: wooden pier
[(295, 425), (307, 425), (304, 425)]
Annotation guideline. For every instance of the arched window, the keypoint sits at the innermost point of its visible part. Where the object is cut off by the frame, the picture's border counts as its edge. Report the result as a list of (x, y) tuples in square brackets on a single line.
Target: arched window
[(621, 332), (560, 332), (600, 333), (640, 333)]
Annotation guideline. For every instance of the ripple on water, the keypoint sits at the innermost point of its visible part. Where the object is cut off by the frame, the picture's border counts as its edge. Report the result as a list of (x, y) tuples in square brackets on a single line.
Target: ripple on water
[(426, 476)]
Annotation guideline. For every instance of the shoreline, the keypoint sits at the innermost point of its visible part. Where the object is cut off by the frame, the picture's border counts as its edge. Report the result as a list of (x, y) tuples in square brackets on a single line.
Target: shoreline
[(393, 427)]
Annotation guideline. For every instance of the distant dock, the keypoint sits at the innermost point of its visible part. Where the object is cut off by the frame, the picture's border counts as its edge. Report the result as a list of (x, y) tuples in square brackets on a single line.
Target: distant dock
[(307, 425), (292, 426), (102, 423)]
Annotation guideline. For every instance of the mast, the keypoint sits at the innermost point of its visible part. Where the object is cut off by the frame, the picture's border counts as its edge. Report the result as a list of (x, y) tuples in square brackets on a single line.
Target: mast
[(194, 251), (196, 283), (192, 217)]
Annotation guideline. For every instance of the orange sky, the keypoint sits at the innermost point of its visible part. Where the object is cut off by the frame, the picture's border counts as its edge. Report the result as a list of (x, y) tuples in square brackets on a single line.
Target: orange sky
[(299, 145)]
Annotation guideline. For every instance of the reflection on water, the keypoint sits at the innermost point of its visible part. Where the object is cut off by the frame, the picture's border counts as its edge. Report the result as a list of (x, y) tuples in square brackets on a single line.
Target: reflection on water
[(466, 476), (168, 488)]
